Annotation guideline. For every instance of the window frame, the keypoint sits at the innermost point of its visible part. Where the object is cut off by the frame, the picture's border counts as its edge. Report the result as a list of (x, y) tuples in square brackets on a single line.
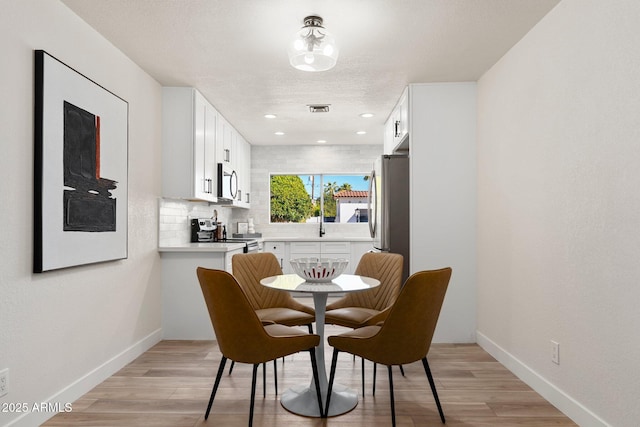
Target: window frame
[(321, 190)]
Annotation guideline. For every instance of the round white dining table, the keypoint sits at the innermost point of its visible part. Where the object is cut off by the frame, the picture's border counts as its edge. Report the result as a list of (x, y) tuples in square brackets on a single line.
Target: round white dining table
[(302, 399)]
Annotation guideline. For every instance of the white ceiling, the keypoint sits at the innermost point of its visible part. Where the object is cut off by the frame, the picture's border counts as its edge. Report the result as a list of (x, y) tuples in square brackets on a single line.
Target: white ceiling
[(234, 52)]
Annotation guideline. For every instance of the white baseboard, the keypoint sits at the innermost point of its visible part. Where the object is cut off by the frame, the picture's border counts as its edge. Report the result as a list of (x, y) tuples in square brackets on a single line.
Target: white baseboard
[(558, 398), (84, 384)]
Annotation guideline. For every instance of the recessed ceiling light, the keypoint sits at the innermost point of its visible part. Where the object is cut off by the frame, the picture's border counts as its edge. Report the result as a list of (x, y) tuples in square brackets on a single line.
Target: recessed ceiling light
[(270, 116), (366, 115), (321, 141), (278, 133), (361, 132)]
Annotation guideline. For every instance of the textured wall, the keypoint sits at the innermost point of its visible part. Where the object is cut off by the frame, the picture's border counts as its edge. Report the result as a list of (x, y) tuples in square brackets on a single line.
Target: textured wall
[(558, 241), (63, 328)]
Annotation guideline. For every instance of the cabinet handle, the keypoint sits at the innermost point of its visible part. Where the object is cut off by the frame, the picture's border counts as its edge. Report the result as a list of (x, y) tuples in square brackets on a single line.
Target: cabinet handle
[(227, 155), (397, 129), (248, 198)]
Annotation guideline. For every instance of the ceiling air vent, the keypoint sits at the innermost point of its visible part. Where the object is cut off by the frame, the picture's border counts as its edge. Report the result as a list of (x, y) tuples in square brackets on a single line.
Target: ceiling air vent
[(316, 108)]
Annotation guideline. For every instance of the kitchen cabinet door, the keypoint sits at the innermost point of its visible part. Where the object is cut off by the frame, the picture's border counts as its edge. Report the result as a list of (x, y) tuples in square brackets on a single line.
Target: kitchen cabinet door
[(279, 250), (229, 137), (243, 169), (188, 145), (397, 126), (338, 250)]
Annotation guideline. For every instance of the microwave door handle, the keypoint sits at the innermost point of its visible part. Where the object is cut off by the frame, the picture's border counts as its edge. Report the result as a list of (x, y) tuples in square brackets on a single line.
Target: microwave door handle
[(233, 184)]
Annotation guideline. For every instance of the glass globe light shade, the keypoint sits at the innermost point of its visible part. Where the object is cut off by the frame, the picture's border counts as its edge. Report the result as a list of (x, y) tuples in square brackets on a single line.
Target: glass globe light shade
[(313, 48)]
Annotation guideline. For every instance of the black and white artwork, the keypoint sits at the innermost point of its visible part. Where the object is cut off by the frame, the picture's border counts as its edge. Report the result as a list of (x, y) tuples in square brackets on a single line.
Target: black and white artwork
[(80, 185)]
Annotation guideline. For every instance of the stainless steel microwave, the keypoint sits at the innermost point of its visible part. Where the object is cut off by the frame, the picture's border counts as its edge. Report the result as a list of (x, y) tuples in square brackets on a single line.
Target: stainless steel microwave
[(227, 183)]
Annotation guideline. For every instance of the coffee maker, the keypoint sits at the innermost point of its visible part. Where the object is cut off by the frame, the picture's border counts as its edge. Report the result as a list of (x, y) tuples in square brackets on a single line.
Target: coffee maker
[(203, 230)]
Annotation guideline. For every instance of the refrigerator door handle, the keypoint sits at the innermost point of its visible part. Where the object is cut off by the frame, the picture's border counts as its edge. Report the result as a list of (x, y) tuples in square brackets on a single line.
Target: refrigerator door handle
[(373, 204)]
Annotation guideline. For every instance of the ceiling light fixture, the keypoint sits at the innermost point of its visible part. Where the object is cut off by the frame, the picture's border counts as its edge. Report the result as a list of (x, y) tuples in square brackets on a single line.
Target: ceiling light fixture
[(313, 48), (366, 115), (361, 132), (270, 116), (279, 133), (321, 141)]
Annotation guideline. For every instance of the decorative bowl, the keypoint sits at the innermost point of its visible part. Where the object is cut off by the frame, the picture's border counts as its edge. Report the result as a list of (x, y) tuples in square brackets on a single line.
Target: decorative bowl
[(319, 269)]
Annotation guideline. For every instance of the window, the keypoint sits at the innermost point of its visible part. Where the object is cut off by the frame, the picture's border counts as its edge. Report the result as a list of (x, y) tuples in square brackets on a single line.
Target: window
[(310, 198)]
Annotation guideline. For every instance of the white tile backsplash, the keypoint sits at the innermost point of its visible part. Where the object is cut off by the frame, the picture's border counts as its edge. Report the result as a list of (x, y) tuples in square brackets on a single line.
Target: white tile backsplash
[(174, 219)]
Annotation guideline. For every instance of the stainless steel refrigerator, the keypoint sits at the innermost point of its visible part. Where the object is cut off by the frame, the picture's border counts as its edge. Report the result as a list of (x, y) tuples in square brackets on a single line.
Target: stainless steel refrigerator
[(389, 206)]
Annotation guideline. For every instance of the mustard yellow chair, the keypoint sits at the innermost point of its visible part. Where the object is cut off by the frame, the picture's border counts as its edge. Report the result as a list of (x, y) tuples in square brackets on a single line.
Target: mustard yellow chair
[(270, 305), (358, 309), (241, 335), (405, 335)]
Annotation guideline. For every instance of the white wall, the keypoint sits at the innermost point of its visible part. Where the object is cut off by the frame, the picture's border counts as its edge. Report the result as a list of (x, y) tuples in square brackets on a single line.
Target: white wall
[(442, 145), (73, 327), (559, 209)]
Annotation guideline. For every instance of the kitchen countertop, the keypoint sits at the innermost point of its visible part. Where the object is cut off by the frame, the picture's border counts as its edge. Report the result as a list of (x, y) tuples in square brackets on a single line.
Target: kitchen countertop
[(223, 247), (317, 239), (203, 247)]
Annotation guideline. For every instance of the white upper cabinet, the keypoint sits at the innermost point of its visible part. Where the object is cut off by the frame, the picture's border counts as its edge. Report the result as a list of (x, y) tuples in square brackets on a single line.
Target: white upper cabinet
[(195, 138), (227, 137), (396, 129), (243, 169), (188, 145), (234, 152)]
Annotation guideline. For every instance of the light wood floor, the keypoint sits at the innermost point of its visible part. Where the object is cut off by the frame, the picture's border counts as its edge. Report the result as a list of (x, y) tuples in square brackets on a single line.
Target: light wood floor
[(169, 385)]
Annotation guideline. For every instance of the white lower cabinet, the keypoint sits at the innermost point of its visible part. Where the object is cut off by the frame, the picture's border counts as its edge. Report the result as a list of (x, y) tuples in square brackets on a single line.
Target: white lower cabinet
[(338, 250), (286, 251), (279, 250), (357, 250)]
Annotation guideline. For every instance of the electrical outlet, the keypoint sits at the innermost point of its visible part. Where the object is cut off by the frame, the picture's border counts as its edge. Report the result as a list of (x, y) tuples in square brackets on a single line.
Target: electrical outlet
[(4, 382), (555, 352)]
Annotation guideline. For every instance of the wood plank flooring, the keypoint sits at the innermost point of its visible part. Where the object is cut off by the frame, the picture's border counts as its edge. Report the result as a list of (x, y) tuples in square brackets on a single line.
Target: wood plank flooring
[(169, 386)]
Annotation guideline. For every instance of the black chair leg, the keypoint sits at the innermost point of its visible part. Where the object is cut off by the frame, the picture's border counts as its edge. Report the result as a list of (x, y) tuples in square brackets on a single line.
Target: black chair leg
[(215, 386), (264, 380), (231, 367), (253, 393), (275, 374), (427, 370), (393, 404), (375, 369), (362, 376), (401, 370), (310, 326), (314, 367), (332, 376)]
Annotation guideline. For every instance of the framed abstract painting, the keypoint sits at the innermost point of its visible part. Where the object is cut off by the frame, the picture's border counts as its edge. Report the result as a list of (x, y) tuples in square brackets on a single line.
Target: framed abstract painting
[(80, 169)]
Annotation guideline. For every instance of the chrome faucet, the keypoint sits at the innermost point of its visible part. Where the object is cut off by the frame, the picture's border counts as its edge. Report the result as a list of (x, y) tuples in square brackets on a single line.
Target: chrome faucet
[(322, 231)]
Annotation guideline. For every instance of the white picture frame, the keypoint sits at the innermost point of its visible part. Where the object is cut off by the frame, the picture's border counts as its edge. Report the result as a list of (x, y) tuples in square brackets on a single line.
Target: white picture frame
[(80, 169)]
